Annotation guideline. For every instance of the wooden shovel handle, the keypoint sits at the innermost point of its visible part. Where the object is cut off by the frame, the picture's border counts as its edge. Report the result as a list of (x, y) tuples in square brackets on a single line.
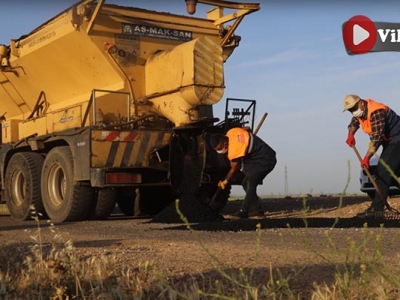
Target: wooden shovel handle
[(369, 174)]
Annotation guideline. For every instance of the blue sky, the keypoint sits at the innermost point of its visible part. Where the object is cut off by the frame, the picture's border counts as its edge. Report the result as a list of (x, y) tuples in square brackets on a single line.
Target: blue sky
[(292, 60)]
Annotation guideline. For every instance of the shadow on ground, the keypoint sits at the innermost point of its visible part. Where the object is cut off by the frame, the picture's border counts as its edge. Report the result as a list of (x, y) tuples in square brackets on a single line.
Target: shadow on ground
[(321, 212), (250, 225)]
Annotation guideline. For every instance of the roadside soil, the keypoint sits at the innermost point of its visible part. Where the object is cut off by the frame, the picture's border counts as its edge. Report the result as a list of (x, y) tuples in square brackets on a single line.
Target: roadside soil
[(303, 239)]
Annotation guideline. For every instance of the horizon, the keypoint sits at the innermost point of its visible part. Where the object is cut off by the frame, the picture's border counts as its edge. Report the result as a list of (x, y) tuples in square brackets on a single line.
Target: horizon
[(292, 60)]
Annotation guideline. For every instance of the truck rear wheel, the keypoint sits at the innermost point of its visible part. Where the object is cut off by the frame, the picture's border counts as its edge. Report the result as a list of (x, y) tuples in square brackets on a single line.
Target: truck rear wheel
[(103, 205), (152, 200), (144, 200), (22, 185), (62, 198), (126, 200)]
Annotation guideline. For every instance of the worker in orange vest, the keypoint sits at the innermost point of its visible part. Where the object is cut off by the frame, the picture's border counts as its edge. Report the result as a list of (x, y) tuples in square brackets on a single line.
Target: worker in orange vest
[(382, 124), (250, 154)]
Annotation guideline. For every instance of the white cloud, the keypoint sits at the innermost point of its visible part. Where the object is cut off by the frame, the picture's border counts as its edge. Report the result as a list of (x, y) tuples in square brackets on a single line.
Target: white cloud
[(350, 72), (279, 58)]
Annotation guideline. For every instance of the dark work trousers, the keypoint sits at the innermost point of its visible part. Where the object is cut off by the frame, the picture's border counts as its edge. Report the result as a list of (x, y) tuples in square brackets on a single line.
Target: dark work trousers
[(391, 156), (250, 184)]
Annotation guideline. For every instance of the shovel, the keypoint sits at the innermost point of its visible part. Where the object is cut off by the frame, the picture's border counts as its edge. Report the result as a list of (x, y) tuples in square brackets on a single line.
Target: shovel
[(214, 197), (378, 190)]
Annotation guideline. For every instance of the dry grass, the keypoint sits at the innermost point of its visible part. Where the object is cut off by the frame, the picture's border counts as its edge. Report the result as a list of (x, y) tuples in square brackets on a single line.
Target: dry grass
[(57, 270)]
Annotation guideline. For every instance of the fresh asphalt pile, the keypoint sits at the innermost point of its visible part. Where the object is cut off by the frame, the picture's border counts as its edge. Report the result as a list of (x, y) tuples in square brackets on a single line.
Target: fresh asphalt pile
[(190, 204)]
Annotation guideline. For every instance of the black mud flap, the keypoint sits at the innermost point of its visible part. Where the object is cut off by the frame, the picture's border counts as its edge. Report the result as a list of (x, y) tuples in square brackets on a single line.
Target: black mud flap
[(177, 162)]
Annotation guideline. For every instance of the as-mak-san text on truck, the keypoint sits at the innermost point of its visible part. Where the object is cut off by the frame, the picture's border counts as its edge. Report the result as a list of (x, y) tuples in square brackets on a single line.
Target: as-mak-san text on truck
[(103, 105)]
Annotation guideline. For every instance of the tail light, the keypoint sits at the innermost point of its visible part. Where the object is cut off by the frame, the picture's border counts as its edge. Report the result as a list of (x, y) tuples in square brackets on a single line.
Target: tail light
[(123, 178)]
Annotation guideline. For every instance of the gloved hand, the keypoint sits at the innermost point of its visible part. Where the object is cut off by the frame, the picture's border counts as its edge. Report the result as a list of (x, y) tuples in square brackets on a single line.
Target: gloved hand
[(365, 162), (351, 141), (222, 184)]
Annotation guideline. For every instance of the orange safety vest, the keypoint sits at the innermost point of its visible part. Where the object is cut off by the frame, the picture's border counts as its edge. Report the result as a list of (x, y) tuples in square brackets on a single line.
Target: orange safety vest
[(372, 106), (239, 140)]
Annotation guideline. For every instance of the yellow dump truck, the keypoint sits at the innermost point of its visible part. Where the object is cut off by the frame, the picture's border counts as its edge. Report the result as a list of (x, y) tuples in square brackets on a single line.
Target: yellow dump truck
[(103, 104)]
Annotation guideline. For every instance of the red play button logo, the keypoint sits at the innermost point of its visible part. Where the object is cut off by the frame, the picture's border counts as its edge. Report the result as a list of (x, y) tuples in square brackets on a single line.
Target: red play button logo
[(359, 35)]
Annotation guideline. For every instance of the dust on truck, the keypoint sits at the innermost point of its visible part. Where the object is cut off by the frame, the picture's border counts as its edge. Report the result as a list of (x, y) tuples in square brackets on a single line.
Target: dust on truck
[(103, 105)]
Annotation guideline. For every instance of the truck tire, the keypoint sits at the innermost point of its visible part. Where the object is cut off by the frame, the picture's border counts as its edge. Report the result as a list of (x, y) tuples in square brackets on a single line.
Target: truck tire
[(103, 204), (126, 201), (62, 198), (152, 200), (145, 200), (22, 185)]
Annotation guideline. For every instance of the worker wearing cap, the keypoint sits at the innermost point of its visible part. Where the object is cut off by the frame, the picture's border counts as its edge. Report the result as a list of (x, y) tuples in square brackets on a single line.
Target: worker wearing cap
[(382, 125), (250, 154)]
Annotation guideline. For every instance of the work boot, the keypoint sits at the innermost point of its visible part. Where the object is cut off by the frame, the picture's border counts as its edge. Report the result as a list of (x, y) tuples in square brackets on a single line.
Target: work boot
[(371, 212), (241, 214), (259, 213), (220, 218)]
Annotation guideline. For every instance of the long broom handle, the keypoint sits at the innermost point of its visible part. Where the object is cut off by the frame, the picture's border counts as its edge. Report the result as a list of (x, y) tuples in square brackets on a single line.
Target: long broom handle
[(261, 122)]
